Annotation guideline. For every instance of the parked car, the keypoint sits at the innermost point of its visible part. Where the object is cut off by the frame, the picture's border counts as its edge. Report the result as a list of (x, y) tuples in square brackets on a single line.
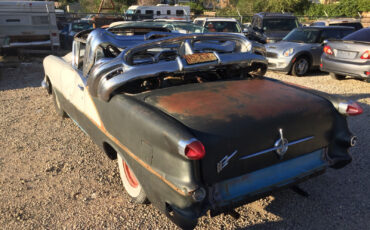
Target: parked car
[(356, 23), (229, 25), (143, 31), (349, 56), (190, 128), (69, 30), (301, 49), (143, 27), (271, 27)]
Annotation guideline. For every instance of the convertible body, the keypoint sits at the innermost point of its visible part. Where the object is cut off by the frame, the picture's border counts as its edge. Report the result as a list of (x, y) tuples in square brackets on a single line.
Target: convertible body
[(192, 124)]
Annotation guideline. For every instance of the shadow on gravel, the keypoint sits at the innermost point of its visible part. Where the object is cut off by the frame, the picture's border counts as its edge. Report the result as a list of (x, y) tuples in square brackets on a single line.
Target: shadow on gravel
[(17, 75)]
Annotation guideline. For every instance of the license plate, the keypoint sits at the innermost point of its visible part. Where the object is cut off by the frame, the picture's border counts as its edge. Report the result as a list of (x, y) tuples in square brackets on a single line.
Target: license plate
[(197, 58), (345, 54)]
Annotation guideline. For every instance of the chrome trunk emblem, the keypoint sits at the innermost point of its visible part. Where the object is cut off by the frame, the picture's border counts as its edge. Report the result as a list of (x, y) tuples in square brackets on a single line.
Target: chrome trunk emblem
[(281, 145)]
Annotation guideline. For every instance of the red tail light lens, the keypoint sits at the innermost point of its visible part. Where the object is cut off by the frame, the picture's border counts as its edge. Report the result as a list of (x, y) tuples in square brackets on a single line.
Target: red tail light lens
[(354, 109), (350, 108), (366, 55), (328, 50), (54, 34), (195, 150)]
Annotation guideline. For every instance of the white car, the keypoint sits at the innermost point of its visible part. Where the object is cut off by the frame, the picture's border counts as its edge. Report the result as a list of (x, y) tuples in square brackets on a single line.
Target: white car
[(228, 25)]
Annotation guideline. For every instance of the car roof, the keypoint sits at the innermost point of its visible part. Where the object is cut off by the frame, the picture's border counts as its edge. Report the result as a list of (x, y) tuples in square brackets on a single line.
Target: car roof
[(328, 27), (216, 19), (339, 20), (275, 15)]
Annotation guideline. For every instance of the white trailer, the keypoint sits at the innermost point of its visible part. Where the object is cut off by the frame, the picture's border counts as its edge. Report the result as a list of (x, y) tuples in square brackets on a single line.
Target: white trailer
[(28, 24), (160, 11)]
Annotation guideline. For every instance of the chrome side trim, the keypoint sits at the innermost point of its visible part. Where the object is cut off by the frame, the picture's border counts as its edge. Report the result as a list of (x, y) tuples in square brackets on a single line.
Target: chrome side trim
[(44, 84), (275, 148)]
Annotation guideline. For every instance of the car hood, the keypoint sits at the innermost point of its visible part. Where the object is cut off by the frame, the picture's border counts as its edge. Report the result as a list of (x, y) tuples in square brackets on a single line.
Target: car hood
[(283, 45)]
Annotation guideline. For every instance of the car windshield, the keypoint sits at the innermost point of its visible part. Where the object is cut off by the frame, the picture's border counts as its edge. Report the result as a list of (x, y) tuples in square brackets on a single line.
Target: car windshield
[(355, 25), (362, 35), (77, 27), (302, 35), (185, 27), (280, 24), (222, 26), (130, 11)]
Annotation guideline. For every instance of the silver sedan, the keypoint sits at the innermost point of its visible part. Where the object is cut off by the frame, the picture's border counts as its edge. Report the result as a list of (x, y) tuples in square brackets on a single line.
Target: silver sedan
[(348, 57)]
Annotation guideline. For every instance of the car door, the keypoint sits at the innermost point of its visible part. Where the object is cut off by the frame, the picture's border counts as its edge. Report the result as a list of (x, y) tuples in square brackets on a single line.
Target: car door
[(73, 86)]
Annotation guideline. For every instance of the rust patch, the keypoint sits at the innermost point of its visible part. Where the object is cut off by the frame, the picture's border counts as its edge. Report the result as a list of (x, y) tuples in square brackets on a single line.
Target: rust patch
[(226, 100)]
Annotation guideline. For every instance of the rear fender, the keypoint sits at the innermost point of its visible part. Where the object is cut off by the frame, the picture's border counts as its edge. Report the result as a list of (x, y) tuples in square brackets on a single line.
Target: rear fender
[(342, 138)]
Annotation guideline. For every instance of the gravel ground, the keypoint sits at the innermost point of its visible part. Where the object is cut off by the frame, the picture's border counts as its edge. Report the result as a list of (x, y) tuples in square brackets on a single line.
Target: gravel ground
[(52, 176)]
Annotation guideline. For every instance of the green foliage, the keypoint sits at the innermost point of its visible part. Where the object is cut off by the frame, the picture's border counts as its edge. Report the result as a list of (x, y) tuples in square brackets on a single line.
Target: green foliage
[(344, 8), (247, 7), (196, 7)]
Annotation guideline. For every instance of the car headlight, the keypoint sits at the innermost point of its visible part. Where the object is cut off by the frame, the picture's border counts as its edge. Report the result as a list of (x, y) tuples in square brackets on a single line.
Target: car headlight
[(288, 52)]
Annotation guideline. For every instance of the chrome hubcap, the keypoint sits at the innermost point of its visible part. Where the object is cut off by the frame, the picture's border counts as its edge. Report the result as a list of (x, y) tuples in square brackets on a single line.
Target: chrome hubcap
[(302, 66)]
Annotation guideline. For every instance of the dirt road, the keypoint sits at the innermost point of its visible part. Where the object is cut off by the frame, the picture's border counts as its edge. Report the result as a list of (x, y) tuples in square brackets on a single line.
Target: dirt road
[(53, 177)]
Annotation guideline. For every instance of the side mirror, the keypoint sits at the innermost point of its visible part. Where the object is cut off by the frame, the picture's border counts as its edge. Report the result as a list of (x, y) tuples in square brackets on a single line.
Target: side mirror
[(324, 42)]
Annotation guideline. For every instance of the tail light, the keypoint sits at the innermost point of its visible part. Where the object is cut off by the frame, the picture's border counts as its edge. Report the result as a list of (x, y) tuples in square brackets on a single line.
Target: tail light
[(366, 55), (192, 149), (328, 50), (54, 34), (350, 108)]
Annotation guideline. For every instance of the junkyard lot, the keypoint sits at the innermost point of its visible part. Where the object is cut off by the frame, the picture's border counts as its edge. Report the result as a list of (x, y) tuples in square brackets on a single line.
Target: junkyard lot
[(53, 176)]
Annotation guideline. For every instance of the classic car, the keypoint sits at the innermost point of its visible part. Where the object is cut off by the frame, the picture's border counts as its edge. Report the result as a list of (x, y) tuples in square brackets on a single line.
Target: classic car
[(192, 125), (301, 49), (349, 56)]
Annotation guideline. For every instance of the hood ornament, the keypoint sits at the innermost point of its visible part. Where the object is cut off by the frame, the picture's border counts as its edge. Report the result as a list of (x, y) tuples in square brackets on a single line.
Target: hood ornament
[(281, 145)]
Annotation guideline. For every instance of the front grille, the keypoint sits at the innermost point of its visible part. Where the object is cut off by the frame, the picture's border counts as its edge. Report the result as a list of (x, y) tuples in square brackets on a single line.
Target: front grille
[(271, 55)]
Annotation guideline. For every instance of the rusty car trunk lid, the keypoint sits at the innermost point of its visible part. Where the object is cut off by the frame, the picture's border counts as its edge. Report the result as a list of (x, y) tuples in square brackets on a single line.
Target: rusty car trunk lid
[(239, 121)]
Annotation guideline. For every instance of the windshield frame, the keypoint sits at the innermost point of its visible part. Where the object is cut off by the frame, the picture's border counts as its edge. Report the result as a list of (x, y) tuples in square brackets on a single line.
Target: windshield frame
[(300, 29), (265, 28), (237, 26)]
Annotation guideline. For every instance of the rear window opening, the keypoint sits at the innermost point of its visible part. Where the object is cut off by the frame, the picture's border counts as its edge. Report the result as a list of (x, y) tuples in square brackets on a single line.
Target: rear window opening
[(226, 73)]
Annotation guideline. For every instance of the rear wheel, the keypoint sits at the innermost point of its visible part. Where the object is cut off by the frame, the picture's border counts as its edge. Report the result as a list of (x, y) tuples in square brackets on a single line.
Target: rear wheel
[(58, 107), (300, 66), (130, 182), (337, 76)]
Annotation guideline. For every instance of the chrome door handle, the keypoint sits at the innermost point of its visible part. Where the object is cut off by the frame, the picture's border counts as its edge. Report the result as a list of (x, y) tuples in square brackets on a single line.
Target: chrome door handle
[(80, 87)]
